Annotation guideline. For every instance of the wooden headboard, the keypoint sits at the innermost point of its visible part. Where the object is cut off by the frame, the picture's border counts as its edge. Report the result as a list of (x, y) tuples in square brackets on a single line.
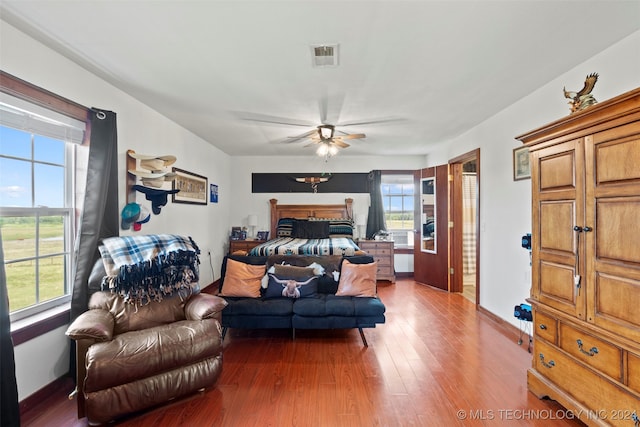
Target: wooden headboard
[(308, 211)]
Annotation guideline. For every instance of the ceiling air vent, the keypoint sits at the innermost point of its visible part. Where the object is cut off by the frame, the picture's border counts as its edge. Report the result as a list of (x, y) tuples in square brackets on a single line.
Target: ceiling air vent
[(325, 55)]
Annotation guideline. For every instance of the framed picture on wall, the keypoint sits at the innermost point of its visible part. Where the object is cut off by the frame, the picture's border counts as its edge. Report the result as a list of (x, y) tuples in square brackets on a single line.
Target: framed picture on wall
[(521, 166), (213, 190), (193, 188)]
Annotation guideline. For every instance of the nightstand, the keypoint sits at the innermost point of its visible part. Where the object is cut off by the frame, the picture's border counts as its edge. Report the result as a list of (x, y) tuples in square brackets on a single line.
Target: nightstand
[(382, 252), (243, 245)]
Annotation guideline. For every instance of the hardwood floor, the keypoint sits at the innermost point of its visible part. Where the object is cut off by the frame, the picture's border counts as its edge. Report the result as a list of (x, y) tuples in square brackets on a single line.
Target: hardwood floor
[(437, 361)]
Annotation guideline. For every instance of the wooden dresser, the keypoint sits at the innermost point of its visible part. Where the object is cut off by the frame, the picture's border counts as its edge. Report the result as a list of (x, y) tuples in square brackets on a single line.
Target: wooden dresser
[(585, 294), (382, 252), (243, 245)]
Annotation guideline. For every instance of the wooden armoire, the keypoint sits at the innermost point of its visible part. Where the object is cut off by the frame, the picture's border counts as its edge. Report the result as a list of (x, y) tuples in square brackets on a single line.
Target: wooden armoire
[(585, 293)]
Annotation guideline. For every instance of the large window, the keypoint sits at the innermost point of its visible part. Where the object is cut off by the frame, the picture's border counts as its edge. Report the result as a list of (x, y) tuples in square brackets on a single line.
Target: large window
[(38, 161), (398, 198)]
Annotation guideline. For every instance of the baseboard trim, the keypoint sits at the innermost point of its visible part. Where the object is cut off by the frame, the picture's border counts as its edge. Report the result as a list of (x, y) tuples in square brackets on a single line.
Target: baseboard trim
[(507, 329), (212, 288), (62, 385)]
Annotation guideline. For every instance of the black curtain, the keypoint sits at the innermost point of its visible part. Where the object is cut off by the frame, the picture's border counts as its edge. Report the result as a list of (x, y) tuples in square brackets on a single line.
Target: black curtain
[(100, 212), (9, 406), (100, 217), (375, 220)]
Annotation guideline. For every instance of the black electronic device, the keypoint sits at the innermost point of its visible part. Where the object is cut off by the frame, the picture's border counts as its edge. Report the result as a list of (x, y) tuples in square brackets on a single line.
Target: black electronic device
[(526, 241), (523, 312)]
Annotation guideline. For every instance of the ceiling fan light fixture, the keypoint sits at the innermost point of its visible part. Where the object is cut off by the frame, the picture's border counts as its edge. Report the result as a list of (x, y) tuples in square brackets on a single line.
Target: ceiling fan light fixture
[(325, 131), (323, 150)]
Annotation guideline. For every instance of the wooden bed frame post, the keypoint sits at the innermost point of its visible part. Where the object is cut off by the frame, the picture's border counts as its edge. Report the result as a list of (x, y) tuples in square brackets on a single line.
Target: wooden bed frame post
[(274, 218)]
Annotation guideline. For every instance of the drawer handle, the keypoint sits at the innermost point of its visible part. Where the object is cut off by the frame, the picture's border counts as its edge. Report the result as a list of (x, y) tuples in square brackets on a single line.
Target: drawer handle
[(543, 326), (549, 365), (592, 352)]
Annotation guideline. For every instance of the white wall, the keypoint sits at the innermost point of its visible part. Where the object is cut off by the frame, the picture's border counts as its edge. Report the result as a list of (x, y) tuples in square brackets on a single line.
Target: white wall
[(505, 211), (143, 130)]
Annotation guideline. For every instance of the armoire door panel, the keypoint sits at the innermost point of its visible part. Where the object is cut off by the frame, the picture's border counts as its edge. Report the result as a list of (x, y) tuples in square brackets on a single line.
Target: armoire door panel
[(616, 305), (557, 171), (557, 219), (557, 288), (617, 227), (617, 155)]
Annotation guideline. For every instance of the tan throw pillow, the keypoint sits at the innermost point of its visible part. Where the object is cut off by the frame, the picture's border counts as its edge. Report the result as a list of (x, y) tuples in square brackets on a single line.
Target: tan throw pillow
[(242, 280), (357, 280)]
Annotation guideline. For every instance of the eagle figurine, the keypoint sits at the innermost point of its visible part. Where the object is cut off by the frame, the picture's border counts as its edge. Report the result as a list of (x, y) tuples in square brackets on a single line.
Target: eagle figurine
[(581, 100)]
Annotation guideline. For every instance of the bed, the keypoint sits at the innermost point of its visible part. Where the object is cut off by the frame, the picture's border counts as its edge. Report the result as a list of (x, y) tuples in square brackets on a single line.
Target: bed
[(310, 230)]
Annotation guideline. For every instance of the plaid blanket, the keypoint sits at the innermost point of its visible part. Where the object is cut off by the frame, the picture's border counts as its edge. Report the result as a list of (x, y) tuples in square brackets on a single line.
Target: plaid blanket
[(147, 267)]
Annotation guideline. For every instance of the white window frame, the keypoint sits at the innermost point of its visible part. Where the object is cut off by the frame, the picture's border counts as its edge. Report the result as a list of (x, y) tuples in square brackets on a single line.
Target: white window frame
[(41, 121), (386, 178)]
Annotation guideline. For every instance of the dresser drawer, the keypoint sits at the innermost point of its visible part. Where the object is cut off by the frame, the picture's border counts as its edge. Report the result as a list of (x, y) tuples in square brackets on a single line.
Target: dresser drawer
[(633, 372), (382, 261), (384, 270), (599, 354), (380, 252), (373, 246), (545, 327), (594, 391)]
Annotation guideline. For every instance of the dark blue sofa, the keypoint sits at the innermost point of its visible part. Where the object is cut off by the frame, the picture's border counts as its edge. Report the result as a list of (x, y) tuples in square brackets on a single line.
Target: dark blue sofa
[(324, 310)]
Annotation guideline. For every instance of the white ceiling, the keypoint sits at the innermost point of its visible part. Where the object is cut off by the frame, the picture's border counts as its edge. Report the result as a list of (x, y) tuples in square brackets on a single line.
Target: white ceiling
[(436, 68)]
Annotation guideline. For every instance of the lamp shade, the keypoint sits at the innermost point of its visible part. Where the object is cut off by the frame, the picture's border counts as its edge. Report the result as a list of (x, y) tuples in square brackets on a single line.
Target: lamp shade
[(252, 220)]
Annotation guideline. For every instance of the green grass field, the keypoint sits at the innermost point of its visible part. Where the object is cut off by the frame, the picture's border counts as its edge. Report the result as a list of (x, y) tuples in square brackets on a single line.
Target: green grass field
[(18, 241)]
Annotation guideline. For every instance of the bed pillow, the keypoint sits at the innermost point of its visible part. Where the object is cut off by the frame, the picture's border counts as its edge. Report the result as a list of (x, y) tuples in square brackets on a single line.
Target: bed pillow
[(242, 280), (303, 229), (338, 227), (303, 287), (357, 280), (284, 227)]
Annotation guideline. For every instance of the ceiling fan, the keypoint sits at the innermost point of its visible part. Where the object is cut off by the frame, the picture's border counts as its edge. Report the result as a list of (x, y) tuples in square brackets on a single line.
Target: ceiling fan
[(327, 142), (325, 136)]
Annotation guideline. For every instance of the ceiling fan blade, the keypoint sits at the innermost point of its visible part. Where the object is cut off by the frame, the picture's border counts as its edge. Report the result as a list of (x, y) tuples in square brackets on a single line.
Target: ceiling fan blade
[(372, 121), (330, 108), (323, 104), (353, 136), (311, 144), (264, 118), (292, 139), (340, 143)]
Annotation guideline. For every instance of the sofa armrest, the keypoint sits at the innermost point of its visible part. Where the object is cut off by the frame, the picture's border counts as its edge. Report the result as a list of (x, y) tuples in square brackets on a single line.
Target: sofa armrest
[(94, 325), (204, 306)]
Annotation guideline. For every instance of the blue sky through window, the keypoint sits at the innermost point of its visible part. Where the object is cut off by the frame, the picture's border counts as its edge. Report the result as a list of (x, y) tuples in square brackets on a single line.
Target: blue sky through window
[(15, 173)]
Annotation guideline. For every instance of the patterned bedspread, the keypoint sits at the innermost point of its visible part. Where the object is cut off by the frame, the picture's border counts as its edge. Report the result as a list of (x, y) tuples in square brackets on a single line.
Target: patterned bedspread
[(291, 246)]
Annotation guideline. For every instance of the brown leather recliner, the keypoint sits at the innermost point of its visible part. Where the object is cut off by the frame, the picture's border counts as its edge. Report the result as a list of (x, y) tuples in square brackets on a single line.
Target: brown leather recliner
[(131, 357)]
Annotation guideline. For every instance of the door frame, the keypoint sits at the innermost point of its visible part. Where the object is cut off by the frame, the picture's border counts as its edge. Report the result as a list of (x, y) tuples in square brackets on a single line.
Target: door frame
[(455, 231)]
